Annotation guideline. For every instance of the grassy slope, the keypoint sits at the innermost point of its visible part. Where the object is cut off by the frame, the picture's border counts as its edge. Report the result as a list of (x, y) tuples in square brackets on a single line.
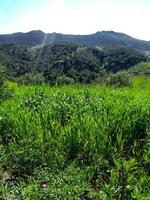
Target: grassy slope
[(81, 141), (141, 76), (141, 82)]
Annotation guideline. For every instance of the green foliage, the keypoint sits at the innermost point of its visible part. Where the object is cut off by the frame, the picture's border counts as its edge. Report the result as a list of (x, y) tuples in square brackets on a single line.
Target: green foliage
[(67, 184), (79, 63), (125, 182), (141, 69), (142, 82), (2, 76), (35, 101), (33, 79), (82, 64), (64, 80), (120, 58), (5, 92), (17, 59), (100, 39), (83, 142), (118, 80)]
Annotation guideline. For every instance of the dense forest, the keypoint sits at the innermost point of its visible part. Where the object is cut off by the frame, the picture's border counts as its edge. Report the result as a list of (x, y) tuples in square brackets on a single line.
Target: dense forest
[(66, 62)]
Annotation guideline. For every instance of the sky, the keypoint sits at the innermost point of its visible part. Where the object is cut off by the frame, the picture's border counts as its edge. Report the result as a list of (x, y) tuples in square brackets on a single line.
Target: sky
[(76, 16)]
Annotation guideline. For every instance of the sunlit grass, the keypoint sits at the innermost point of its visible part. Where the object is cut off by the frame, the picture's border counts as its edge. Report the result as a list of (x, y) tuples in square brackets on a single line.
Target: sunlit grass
[(93, 140), (141, 82)]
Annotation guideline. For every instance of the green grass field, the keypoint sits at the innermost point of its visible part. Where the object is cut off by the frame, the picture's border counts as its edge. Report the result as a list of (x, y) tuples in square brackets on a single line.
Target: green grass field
[(75, 142), (141, 82)]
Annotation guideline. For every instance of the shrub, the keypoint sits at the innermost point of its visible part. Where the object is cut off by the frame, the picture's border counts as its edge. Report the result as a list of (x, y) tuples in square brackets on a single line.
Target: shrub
[(29, 78), (5, 92), (118, 80), (64, 80)]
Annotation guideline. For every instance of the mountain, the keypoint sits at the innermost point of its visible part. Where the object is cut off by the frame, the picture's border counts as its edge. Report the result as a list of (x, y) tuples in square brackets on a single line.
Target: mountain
[(30, 39), (101, 39)]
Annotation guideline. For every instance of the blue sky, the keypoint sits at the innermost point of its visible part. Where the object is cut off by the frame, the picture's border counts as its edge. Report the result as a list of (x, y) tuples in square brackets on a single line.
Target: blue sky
[(76, 16)]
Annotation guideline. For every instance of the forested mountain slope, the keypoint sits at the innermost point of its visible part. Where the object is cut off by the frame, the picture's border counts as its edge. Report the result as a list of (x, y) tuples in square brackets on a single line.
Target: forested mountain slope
[(103, 38), (78, 62)]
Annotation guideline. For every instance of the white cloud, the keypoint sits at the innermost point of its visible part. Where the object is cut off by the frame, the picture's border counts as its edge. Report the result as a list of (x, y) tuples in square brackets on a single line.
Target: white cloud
[(87, 16)]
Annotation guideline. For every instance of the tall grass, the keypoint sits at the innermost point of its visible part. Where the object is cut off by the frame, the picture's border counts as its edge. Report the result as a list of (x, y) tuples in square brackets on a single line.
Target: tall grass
[(102, 132)]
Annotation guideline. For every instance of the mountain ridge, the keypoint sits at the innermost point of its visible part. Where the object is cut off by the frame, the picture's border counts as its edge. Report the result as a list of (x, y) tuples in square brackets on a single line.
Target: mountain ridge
[(100, 38)]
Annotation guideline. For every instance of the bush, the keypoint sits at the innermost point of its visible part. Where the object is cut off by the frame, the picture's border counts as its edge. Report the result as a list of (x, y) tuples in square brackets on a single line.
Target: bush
[(64, 80), (5, 92), (118, 80), (2, 75), (29, 78)]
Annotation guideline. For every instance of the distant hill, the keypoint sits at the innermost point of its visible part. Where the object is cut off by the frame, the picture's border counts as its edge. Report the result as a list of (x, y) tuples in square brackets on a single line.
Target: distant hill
[(30, 39), (101, 39)]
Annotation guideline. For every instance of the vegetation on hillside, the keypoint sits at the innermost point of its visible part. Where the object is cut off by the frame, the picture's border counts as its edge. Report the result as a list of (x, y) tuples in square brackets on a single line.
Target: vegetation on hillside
[(117, 58), (77, 63), (5, 92), (16, 58), (119, 80), (141, 69), (100, 39), (75, 143)]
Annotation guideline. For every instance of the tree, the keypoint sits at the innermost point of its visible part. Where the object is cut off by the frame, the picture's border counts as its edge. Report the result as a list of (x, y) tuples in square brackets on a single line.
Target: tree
[(34, 79), (118, 80), (64, 80), (120, 58), (2, 76), (5, 92)]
